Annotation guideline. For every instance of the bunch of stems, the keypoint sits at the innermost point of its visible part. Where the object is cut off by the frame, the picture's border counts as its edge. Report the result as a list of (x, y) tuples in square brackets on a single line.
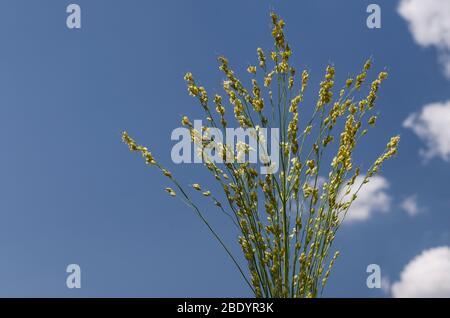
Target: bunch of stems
[(287, 220)]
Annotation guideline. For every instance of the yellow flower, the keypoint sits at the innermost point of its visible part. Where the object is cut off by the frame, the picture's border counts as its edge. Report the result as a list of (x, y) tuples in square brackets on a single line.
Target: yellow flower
[(188, 77), (261, 58), (367, 65), (185, 121), (382, 75), (277, 31), (167, 173), (268, 79), (251, 69), (273, 56), (170, 191), (349, 82), (325, 92)]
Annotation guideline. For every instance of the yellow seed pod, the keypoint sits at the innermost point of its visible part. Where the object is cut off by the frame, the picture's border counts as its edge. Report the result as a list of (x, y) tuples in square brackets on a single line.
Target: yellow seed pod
[(185, 121), (251, 69), (167, 173), (170, 192)]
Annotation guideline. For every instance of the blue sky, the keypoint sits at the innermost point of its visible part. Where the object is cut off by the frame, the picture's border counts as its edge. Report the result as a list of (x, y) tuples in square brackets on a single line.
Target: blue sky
[(72, 193)]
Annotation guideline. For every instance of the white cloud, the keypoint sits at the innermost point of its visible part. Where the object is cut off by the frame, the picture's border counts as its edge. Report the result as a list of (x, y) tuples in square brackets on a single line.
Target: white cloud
[(385, 284), (411, 206), (371, 198), (426, 275), (429, 23), (432, 125)]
